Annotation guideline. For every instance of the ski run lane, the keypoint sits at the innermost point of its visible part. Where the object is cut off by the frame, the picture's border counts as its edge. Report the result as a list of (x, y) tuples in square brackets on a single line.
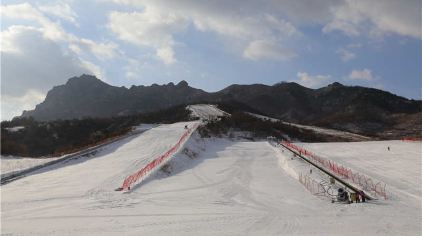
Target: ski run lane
[(230, 188)]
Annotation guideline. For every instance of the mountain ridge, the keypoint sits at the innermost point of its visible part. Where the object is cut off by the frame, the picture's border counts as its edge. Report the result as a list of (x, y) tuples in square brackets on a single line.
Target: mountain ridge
[(366, 109)]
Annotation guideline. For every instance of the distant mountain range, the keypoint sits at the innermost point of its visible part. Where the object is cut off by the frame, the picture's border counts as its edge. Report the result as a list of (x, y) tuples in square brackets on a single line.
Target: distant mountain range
[(353, 108)]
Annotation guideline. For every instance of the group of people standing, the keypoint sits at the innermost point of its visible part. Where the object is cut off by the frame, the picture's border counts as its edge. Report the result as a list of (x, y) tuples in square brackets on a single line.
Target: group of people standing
[(357, 197), (344, 196)]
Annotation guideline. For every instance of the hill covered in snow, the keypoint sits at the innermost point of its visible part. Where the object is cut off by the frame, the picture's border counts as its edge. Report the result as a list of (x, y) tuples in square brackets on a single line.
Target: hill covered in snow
[(212, 187)]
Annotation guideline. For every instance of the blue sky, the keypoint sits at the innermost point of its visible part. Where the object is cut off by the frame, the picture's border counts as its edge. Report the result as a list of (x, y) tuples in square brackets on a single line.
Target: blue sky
[(210, 44)]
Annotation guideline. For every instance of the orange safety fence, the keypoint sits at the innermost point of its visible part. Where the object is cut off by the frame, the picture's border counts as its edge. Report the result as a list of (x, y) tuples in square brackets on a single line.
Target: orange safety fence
[(150, 167)]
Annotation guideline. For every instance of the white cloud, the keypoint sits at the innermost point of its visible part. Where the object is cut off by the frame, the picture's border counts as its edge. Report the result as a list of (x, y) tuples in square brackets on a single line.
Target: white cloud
[(364, 74), (75, 48), (261, 49), (133, 68), (54, 31), (25, 11), (93, 69), (150, 28), (12, 106), (256, 26), (156, 23), (38, 67), (348, 28), (345, 54), (8, 39), (312, 81), (100, 50), (28, 70), (61, 10), (346, 19), (383, 16), (166, 55)]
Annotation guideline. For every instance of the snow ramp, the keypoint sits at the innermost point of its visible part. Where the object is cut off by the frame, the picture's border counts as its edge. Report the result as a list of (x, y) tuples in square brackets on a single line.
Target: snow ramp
[(158, 162), (100, 175)]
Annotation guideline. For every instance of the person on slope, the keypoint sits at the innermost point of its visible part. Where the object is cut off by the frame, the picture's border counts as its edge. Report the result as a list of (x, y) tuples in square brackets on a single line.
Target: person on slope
[(353, 197), (362, 196)]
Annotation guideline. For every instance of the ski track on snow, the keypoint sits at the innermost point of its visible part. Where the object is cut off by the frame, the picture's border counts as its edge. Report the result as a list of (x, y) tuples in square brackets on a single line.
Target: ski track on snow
[(230, 188)]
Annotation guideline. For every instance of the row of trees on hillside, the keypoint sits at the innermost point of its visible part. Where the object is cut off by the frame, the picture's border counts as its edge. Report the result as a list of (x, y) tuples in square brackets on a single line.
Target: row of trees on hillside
[(59, 137), (240, 121)]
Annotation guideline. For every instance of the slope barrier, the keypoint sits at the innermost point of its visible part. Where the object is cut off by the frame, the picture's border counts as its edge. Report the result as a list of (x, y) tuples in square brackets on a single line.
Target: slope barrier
[(410, 139), (141, 174), (311, 184), (12, 176), (367, 183)]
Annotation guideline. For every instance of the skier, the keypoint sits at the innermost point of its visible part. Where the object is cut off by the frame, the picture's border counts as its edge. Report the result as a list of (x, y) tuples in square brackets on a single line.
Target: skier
[(186, 126), (362, 195), (346, 197), (353, 198), (388, 148)]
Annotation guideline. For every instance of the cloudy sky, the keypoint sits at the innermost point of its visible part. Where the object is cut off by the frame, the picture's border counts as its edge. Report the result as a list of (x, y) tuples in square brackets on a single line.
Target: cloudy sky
[(210, 44)]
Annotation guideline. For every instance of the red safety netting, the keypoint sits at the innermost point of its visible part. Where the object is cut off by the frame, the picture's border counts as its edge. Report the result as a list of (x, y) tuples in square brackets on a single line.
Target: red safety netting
[(367, 183), (139, 175), (409, 139)]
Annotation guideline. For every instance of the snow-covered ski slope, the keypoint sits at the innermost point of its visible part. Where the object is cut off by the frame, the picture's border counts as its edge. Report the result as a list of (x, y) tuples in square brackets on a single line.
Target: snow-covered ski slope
[(15, 164), (230, 188), (318, 130), (206, 111), (400, 167), (85, 179), (11, 164)]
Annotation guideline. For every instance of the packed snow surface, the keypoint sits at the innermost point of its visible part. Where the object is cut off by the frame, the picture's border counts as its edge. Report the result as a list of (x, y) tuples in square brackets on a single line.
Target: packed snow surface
[(14, 129), (333, 132), (206, 111), (224, 188), (11, 164), (400, 167)]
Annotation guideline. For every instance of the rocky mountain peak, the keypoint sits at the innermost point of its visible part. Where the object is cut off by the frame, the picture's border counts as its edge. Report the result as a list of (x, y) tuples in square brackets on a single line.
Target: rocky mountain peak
[(336, 84), (333, 105), (183, 83), (85, 81)]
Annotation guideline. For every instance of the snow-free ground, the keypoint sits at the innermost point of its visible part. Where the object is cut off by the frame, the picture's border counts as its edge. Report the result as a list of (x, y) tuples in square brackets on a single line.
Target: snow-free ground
[(224, 188)]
